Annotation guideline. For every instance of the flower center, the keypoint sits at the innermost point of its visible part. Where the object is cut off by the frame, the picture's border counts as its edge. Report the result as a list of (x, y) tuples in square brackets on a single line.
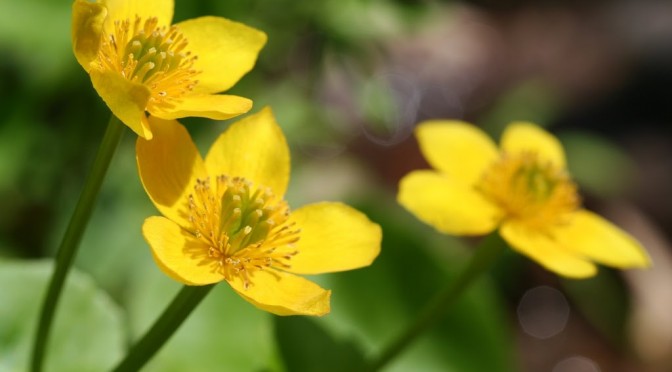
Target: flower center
[(150, 55), (535, 193), (246, 228)]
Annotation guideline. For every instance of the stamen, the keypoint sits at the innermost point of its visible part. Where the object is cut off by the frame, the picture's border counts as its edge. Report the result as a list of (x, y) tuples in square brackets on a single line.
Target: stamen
[(530, 191), (244, 226), (154, 56)]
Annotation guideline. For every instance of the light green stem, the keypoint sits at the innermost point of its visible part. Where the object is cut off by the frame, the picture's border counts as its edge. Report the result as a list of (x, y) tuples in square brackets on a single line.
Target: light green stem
[(72, 237), (485, 255), (183, 304)]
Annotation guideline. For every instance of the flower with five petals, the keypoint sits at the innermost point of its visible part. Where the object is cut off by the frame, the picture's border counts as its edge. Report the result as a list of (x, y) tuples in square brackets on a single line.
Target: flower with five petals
[(224, 217), (522, 188), (139, 63)]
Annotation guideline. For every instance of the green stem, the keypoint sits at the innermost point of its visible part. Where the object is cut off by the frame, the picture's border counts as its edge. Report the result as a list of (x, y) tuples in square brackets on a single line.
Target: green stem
[(72, 237), (183, 304), (485, 255)]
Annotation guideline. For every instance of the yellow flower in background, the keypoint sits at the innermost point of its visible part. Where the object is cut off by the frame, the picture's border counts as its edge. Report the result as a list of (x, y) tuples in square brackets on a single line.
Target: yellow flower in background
[(138, 62), (522, 188), (225, 217)]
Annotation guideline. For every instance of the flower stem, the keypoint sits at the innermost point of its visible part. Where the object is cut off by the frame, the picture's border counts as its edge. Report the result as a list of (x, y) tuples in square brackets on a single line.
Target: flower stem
[(73, 235), (183, 304), (485, 255)]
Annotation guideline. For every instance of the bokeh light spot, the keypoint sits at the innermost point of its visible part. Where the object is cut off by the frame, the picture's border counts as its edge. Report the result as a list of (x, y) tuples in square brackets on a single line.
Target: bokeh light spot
[(576, 363), (543, 312)]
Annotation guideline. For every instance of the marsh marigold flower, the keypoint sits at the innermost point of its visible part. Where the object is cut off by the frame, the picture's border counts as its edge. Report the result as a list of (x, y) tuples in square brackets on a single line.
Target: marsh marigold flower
[(224, 217), (139, 63), (522, 188)]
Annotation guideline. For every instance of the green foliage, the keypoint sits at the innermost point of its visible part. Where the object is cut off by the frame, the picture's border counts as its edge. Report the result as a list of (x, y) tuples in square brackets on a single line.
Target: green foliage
[(604, 302), (371, 306), (42, 52), (223, 333), (305, 346), (597, 164), (530, 101), (88, 334)]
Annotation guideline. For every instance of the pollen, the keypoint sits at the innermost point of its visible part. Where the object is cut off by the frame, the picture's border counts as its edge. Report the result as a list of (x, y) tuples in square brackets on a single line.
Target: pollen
[(530, 191), (245, 227), (152, 55)]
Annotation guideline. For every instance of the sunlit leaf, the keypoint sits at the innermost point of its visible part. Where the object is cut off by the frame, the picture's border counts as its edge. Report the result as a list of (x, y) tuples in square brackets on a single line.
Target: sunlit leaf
[(225, 333), (88, 333), (35, 33)]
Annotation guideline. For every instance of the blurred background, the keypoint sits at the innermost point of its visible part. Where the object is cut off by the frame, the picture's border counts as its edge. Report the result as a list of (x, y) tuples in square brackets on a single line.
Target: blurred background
[(348, 81)]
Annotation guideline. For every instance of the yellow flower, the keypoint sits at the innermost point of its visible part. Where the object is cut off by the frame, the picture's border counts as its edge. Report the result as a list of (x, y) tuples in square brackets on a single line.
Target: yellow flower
[(138, 62), (522, 188), (225, 217)]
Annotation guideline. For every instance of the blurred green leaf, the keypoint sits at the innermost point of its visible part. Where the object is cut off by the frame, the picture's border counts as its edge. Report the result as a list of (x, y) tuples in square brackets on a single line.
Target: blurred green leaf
[(225, 333), (359, 21), (603, 300), (529, 101), (305, 346), (15, 144), (598, 165), (371, 306), (88, 329), (37, 35)]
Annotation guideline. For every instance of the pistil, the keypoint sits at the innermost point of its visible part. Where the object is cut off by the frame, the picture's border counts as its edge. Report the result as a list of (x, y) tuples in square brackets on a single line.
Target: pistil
[(530, 191), (245, 227), (154, 56)]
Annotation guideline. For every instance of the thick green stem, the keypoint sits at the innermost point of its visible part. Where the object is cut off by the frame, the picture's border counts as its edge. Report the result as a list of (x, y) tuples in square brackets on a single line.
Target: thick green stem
[(437, 306), (183, 304), (72, 237)]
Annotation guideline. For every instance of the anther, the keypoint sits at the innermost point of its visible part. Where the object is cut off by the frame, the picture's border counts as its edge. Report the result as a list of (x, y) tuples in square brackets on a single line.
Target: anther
[(246, 230)]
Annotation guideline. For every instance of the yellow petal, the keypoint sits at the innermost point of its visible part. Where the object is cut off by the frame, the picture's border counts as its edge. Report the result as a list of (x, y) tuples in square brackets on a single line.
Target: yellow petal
[(217, 107), (522, 136), (126, 100), (254, 148), (87, 28), (334, 237), (547, 252), (226, 51), (448, 206), (282, 293), (178, 254), (121, 10), (456, 148), (168, 166), (593, 237)]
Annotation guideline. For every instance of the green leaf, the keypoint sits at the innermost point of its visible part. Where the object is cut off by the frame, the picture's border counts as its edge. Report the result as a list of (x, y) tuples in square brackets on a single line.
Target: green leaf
[(305, 346), (372, 306), (36, 34), (88, 329), (531, 100), (224, 333), (597, 164), (603, 300)]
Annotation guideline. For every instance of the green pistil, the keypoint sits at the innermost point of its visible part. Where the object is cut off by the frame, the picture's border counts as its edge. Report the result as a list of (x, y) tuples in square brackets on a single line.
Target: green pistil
[(535, 182), (245, 217)]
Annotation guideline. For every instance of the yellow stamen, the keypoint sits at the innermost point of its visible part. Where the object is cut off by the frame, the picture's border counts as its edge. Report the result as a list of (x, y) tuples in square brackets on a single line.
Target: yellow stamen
[(245, 227), (533, 192), (154, 56)]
